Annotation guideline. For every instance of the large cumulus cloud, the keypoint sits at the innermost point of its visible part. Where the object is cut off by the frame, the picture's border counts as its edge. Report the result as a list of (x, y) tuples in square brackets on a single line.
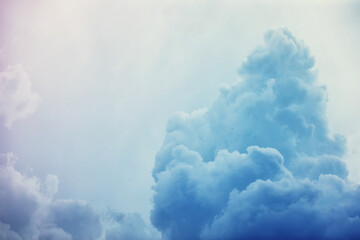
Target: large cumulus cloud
[(18, 100), (260, 162)]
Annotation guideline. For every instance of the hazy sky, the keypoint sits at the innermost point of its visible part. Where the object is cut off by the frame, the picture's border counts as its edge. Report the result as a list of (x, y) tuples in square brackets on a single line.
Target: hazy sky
[(106, 75)]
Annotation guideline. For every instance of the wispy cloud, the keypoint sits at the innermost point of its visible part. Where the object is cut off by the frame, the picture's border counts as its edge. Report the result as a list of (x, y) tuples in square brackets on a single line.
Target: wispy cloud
[(18, 100)]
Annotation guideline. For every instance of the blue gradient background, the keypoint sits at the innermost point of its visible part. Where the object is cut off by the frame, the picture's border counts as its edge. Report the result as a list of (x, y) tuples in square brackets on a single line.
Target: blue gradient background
[(97, 82)]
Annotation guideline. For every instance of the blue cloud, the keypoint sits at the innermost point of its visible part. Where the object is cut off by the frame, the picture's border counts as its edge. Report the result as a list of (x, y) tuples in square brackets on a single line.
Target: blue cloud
[(290, 209), (28, 210), (76, 218), (128, 226), (7, 234), (260, 162)]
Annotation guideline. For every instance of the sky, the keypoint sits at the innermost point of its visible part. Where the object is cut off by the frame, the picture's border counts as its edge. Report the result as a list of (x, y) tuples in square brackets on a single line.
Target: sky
[(130, 115)]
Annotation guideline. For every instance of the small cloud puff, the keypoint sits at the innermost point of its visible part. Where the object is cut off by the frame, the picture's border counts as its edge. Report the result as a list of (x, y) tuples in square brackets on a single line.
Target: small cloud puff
[(129, 226), (260, 163), (17, 98)]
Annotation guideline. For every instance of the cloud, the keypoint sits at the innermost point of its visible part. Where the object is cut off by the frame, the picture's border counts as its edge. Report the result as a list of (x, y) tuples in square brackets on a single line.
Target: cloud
[(76, 218), (28, 210), (260, 162), (128, 226), (7, 234), (290, 209), (17, 98), (20, 198)]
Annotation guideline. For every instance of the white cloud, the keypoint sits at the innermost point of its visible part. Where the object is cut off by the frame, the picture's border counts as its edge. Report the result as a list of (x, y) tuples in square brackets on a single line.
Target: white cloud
[(17, 98)]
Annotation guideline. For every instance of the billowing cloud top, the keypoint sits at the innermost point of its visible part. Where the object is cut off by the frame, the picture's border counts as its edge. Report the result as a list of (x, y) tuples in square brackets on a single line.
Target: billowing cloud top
[(17, 98), (260, 162)]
